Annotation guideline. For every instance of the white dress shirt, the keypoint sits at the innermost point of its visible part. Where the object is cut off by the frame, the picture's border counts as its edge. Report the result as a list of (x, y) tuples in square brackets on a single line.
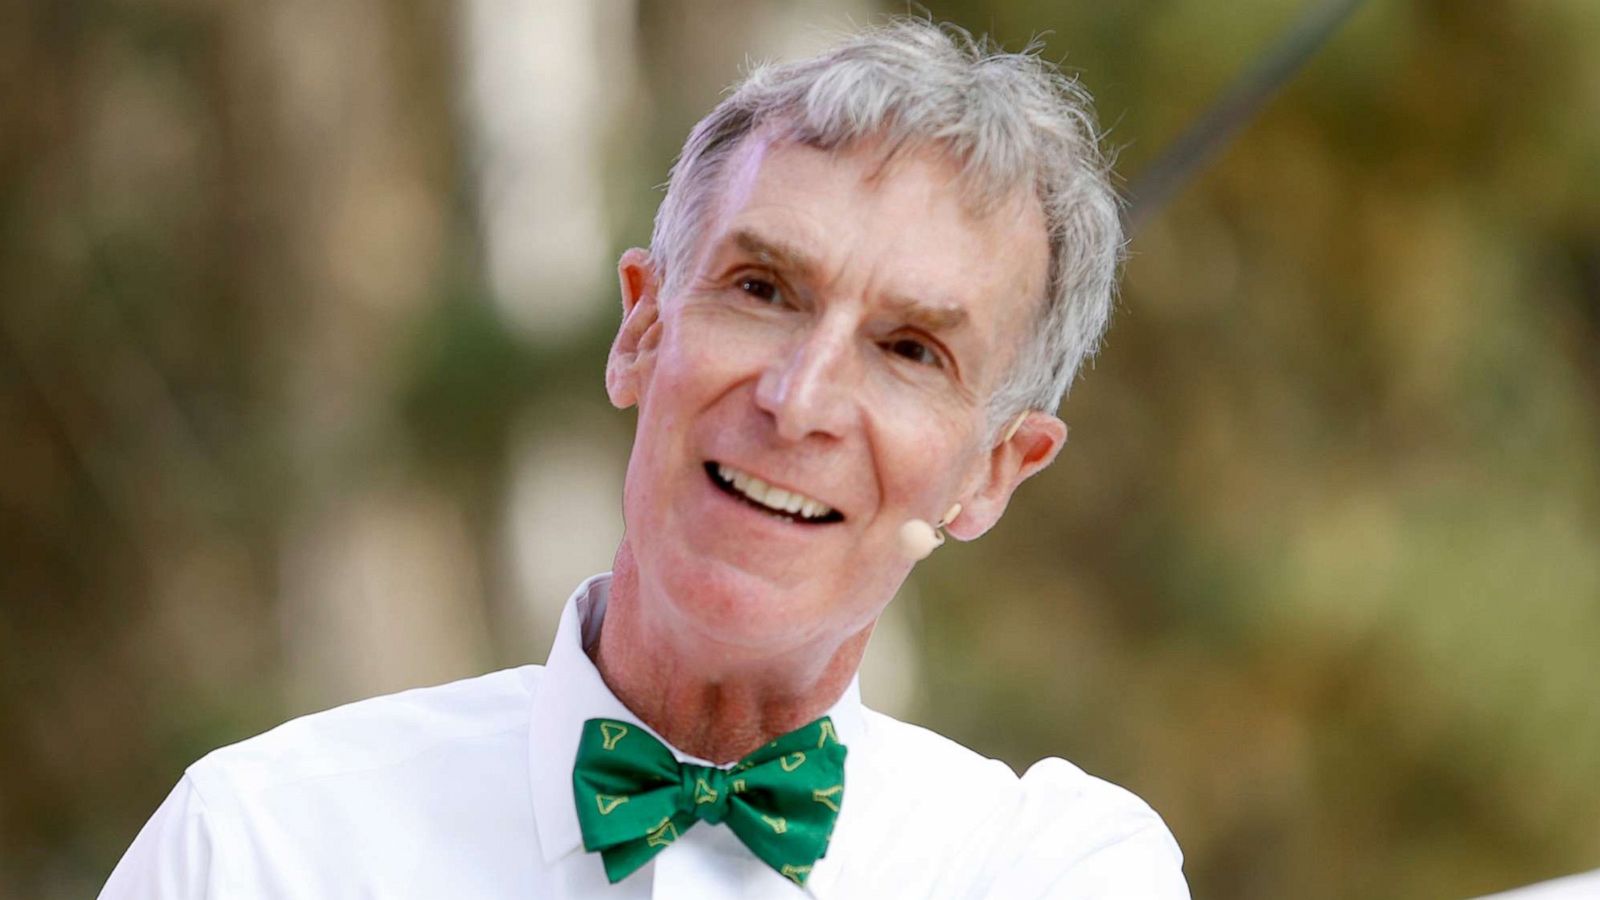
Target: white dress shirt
[(1584, 886), (465, 791)]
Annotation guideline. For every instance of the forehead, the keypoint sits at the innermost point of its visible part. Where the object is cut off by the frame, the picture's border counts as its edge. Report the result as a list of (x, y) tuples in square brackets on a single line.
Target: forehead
[(896, 223)]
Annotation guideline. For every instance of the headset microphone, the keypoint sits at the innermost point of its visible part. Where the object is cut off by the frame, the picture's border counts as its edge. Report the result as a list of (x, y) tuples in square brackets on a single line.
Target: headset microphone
[(918, 538)]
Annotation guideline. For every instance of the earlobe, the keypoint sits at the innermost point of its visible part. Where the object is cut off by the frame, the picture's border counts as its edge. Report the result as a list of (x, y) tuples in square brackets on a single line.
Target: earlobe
[(1025, 448), (639, 331)]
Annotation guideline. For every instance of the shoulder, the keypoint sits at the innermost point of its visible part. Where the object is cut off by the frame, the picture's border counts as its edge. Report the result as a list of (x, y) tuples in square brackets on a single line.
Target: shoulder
[(372, 735), (1070, 834), (336, 798), (1051, 784), (1108, 811), (1054, 831), (1102, 814), (912, 751)]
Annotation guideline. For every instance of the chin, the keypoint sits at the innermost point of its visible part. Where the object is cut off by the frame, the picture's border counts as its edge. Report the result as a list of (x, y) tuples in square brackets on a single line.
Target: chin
[(727, 604)]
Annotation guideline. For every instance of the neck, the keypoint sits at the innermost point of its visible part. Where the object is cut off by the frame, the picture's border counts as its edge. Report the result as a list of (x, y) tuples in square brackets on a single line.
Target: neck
[(710, 701)]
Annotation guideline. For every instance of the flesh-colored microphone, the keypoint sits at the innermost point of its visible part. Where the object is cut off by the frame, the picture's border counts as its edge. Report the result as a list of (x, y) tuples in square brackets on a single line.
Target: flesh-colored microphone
[(918, 538)]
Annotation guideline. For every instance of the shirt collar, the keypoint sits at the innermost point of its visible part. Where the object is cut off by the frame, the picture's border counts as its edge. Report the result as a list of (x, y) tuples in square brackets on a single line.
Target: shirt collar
[(570, 692)]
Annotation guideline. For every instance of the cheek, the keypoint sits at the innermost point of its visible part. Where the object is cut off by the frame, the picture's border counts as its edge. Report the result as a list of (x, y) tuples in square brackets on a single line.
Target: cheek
[(706, 345), (698, 360), (922, 459), (686, 368)]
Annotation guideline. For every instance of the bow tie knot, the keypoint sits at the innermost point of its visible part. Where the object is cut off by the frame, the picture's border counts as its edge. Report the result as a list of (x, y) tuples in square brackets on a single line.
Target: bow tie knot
[(705, 793)]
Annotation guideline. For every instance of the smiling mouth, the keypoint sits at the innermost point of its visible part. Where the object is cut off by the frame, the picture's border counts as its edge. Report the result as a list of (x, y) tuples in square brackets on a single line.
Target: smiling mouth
[(775, 501)]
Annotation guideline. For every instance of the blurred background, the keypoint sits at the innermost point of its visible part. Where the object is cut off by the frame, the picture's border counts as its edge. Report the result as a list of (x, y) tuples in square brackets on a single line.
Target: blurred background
[(303, 311)]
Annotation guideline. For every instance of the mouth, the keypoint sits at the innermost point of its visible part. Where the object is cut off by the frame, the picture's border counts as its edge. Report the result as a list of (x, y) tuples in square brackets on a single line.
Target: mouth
[(774, 501)]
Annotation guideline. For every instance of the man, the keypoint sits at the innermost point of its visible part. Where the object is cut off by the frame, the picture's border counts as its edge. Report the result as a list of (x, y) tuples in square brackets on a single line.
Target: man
[(873, 276)]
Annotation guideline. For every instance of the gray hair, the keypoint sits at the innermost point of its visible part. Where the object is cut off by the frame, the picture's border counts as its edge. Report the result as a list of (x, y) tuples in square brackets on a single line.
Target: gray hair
[(1011, 120)]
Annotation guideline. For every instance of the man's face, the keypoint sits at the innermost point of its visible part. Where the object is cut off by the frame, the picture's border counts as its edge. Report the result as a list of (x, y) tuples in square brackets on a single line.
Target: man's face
[(836, 339)]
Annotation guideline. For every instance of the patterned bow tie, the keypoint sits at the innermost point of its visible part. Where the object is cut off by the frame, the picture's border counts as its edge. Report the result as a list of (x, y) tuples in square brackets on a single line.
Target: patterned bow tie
[(634, 798)]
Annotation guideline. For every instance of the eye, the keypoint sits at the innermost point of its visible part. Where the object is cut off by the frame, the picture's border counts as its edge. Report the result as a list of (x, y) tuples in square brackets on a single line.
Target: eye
[(761, 289), (914, 350)]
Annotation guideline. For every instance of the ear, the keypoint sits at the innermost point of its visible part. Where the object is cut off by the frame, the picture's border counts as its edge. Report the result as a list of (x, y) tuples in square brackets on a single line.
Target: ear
[(633, 351), (1029, 447)]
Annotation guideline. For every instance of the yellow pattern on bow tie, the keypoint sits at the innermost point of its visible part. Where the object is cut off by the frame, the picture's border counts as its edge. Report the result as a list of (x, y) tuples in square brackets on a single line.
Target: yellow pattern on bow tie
[(607, 803), (796, 874), (825, 732), (793, 761), (825, 796), (779, 823), (610, 733), (663, 834)]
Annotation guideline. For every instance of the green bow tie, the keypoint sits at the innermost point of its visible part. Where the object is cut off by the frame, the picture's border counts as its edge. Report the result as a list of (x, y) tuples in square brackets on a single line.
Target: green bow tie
[(634, 798)]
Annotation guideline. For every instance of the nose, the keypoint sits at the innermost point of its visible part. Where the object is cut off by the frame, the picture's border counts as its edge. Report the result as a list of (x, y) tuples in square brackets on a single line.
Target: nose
[(811, 388)]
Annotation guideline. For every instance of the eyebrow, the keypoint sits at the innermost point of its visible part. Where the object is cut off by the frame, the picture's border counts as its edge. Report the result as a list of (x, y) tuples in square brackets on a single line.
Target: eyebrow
[(776, 252), (935, 317), (932, 317)]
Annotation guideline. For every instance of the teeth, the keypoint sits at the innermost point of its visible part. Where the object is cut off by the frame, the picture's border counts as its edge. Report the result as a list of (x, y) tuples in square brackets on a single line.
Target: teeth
[(771, 497)]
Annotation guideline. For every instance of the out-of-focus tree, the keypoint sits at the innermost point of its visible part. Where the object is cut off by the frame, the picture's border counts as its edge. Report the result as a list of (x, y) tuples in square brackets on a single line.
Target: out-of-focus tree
[(219, 222)]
